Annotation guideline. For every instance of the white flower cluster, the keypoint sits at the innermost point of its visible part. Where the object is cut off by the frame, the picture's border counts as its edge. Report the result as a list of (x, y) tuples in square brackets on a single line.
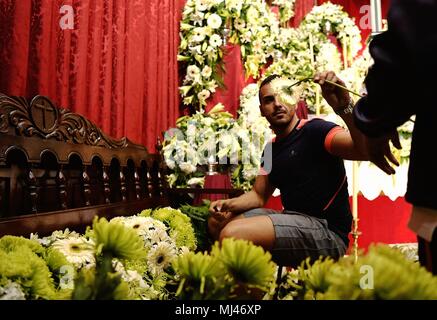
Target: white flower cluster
[(204, 25), (161, 248), (12, 291), (286, 9)]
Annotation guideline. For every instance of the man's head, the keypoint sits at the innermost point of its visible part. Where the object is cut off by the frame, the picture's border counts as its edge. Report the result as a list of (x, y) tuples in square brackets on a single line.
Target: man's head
[(273, 108)]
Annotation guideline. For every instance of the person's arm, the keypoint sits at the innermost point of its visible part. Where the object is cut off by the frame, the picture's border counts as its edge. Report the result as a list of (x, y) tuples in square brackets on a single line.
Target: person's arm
[(346, 144), (256, 198), (396, 84)]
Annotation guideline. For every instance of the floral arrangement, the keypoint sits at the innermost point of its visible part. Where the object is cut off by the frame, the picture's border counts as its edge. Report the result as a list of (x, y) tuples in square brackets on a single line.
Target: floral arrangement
[(143, 257), (286, 9), (215, 137), (382, 274), (328, 19), (204, 24)]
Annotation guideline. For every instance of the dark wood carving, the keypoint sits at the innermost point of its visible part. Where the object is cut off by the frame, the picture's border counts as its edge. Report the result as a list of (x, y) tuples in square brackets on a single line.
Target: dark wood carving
[(62, 189), (76, 182), (42, 118), (137, 185), (106, 186), (86, 186), (33, 191), (123, 185)]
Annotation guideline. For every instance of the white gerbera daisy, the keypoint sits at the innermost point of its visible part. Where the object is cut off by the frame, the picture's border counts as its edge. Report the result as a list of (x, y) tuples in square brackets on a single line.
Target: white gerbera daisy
[(160, 257), (199, 34), (193, 71), (214, 21), (206, 72), (78, 251), (215, 41), (203, 95)]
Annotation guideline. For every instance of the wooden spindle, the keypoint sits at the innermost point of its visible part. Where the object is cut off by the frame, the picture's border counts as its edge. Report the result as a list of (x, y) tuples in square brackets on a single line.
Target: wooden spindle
[(106, 186), (33, 190), (123, 185), (149, 184), (62, 188), (160, 184), (86, 186), (137, 185)]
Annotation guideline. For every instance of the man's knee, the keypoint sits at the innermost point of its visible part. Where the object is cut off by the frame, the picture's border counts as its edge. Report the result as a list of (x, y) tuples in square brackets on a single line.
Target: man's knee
[(232, 230)]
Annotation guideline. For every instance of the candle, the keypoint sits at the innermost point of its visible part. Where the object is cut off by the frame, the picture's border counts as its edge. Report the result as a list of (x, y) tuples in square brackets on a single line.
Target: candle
[(375, 16)]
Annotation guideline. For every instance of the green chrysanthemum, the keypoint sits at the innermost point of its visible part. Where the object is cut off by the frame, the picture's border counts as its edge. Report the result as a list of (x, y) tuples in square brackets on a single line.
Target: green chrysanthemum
[(120, 241), (248, 264), (383, 273), (201, 276), (180, 226)]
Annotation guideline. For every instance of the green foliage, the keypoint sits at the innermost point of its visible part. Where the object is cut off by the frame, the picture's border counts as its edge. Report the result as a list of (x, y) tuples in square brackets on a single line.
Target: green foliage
[(199, 219)]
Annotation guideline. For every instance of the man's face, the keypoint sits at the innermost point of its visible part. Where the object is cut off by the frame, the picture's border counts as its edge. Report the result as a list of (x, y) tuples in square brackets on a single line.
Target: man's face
[(277, 114)]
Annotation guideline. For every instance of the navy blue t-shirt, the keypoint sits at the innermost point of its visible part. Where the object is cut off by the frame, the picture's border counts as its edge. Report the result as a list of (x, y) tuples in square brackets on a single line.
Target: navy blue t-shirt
[(311, 180)]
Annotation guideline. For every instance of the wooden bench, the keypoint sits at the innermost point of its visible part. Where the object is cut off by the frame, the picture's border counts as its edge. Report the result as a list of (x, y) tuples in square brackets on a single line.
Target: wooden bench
[(59, 170)]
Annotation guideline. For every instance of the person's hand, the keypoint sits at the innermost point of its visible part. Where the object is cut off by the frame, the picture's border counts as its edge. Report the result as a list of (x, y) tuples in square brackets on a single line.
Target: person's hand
[(336, 97), (220, 209), (378, 150)]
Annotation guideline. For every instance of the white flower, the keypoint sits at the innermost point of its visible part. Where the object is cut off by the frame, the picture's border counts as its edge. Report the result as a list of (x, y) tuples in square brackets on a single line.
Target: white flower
[(197, 18), (206, 72), (201, 5), (193, 72), (187, 167), (214, 21), (199, 34), (78, 251), (160, 257), (193, 182), (203, 95), (215, 41), (239, 24), (12, 291)]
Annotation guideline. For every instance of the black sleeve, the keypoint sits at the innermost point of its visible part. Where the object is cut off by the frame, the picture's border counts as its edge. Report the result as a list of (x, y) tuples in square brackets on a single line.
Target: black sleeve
[(398, 84), (319, 129)]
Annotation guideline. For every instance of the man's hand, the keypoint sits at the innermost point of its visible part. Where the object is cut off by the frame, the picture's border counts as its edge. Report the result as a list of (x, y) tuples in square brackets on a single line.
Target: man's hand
[(336, 97), (220, 209), (378, 150)]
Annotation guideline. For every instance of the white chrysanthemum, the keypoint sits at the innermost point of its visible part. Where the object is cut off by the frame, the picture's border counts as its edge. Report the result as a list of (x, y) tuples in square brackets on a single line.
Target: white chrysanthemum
[(281, 89), (214, 21), (239, 24), (12, 291), (215, 41), (160, 257), (78, 251), (187, 167)]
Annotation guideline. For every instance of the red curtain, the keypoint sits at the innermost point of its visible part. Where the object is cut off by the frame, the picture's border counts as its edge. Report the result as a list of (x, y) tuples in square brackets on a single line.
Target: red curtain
[(117, 66)]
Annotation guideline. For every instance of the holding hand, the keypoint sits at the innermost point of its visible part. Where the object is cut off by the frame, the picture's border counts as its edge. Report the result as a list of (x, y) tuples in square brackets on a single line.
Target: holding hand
[(336, 97), (220, 209)]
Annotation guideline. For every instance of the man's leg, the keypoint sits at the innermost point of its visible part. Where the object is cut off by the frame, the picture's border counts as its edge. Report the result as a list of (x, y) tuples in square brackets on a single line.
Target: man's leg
[(290, 237)]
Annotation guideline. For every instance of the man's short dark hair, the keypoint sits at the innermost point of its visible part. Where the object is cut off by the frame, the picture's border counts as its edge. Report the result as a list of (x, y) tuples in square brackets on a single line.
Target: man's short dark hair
[(265, 82)]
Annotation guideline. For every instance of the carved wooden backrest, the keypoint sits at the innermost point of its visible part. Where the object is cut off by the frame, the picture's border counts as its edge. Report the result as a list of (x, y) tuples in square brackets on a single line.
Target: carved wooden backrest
[(52, 159)]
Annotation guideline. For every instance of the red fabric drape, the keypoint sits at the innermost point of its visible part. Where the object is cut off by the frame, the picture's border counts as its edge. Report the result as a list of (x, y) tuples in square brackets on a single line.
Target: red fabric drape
[(117, 66), (301, 8)]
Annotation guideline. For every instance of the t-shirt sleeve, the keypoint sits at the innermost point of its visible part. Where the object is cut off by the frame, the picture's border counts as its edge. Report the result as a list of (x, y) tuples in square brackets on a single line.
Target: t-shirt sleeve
[(322, 132)]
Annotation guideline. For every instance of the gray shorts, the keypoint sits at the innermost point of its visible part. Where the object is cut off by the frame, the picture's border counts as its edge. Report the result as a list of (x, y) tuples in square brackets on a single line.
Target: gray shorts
[(299, 236)]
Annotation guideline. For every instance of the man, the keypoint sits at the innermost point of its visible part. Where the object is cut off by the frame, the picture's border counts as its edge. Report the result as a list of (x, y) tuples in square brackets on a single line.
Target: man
[(399, 84), (308, 169)]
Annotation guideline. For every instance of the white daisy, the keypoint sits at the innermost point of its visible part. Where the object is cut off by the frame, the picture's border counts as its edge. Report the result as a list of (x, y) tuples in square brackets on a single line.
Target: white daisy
[(214, 21), (198, 34), (78, 251), (215, 41), (193, 72), (203, 95), (160, 257), (206, 72)]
